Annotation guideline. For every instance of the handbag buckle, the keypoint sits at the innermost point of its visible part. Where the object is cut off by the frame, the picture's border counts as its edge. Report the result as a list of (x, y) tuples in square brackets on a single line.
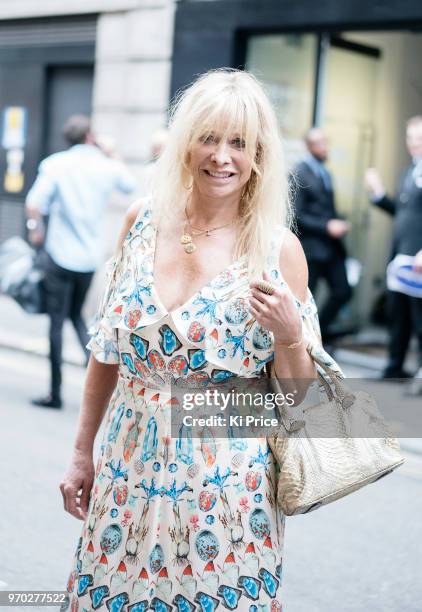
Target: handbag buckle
[(347, 401)]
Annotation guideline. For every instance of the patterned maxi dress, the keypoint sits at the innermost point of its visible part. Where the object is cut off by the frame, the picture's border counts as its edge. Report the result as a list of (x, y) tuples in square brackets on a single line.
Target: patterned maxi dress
[(178, 523)]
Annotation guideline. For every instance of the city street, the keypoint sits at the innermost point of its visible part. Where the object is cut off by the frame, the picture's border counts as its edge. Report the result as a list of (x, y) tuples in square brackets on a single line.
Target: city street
[(360, 553), (145, 147)]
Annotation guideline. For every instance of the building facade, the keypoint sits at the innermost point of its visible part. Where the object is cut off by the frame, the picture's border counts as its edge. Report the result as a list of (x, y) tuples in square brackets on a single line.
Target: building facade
[(108, 58), (352, 67)]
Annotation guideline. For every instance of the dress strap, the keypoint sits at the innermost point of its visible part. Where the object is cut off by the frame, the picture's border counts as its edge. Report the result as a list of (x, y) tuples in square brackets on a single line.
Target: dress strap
[(278, 236), (282, 235), (145, 209), (142, 220), (273, 258)]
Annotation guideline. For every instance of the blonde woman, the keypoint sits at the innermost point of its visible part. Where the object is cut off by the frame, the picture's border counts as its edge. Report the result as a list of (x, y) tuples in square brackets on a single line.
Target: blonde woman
[(171, 523)]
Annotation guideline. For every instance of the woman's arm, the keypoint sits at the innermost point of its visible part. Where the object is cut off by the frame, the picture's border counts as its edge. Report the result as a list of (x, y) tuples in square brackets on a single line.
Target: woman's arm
[(100, 383), (279, 314), (77, 482), (293, 363)]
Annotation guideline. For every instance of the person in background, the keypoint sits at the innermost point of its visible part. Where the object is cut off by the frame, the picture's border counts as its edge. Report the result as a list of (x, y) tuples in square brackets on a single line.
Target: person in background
[(158, 143), (320, 229), (405, 312), (72, 187)]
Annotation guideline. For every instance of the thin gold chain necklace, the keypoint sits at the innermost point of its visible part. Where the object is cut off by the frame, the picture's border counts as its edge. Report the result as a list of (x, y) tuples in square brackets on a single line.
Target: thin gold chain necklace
[(187, 237)]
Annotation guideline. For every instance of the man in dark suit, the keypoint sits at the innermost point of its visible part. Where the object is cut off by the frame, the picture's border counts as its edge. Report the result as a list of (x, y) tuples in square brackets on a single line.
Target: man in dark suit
[(405, 312), (320, 229)]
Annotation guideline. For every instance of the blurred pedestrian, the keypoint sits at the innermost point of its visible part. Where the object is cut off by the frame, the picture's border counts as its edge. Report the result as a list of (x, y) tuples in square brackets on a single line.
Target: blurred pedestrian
[(320, 229), (72, 188), (405, 312), (158, 143)]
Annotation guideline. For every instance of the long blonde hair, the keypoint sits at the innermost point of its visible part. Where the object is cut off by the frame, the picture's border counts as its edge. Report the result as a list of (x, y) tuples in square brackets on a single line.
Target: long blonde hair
[(231, 101)]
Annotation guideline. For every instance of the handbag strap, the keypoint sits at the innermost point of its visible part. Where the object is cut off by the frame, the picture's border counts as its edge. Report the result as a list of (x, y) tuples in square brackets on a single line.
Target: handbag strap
[(341, 392), (323, 382), (336, 391)]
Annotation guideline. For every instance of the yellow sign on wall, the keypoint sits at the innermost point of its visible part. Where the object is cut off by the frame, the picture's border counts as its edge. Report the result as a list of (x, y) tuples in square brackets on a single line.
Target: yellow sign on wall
[(14, 127), (13, 139), (13, 183)]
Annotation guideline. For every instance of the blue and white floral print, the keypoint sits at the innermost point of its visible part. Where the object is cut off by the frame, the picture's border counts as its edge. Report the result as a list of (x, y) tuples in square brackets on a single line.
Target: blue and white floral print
[(174, 524)]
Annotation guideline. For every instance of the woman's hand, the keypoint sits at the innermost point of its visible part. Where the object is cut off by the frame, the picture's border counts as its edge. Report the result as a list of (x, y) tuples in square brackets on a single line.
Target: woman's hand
[(277, 313), (77, 484)]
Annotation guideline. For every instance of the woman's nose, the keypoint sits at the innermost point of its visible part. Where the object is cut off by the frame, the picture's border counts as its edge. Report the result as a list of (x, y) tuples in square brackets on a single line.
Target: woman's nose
[(221, 155)]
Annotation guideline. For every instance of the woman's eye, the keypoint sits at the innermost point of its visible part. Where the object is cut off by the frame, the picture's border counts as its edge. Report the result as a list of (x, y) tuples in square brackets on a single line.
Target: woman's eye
[(239, 143), (207, 139)]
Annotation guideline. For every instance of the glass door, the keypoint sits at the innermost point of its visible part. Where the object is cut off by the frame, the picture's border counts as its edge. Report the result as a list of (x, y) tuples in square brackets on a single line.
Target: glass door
[(347, 116), (286, 64), (330, 82)]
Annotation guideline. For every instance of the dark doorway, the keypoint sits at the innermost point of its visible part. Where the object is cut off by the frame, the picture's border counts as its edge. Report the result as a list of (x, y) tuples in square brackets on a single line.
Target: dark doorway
[(69, 92), (46, 69)]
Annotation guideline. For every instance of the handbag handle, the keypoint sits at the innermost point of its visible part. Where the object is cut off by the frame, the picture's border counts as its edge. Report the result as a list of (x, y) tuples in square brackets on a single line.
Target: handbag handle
[(328, 390), (342, 393)]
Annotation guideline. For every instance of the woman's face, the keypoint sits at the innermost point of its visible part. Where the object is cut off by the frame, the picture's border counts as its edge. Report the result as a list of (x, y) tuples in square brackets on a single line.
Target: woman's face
[(220, 167)]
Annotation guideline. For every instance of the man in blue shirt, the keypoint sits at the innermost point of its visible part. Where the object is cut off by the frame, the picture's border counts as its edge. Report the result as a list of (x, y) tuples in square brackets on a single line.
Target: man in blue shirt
[(72, 188)]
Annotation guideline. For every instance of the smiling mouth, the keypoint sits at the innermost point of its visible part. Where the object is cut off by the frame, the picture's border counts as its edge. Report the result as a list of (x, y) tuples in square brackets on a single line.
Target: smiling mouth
[(219, 175)]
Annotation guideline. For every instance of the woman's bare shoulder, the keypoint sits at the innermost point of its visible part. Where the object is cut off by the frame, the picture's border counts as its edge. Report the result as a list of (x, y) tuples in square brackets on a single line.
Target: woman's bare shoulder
[(130, 218), (134, 210), (293, 265)]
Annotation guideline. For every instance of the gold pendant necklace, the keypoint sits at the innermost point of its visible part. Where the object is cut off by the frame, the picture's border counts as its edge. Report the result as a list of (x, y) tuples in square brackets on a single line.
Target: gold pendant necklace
[(187, 243), (186, 238)]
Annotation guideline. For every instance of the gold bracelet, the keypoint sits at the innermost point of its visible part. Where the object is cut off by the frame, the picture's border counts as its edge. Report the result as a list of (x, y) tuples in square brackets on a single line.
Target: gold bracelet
[(293, 345)]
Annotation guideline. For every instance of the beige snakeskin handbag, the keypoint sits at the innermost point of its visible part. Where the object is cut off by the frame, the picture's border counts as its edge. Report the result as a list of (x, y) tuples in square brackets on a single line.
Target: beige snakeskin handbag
[(320, 449)]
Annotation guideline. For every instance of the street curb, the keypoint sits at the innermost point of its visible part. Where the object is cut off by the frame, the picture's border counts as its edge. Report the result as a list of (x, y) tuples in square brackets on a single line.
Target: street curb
[(30, 351), (359, 360)]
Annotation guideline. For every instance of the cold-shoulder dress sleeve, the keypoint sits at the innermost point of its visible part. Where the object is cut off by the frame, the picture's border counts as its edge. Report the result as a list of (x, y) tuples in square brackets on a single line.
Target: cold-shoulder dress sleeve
[(121, 303), (104, 343), (312, 333)]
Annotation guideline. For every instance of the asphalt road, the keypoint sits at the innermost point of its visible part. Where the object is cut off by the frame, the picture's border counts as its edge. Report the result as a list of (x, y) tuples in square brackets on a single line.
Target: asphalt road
[(363, 553)]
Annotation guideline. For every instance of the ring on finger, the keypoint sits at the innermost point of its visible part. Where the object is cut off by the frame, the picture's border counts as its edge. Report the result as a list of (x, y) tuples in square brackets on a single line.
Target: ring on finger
[(265, 287)]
